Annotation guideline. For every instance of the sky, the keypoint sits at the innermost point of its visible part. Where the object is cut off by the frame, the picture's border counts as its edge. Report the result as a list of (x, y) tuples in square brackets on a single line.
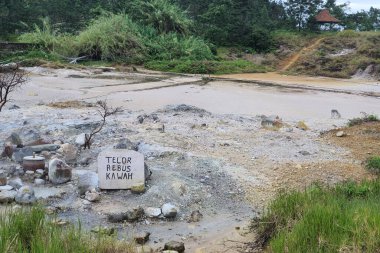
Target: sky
[(357, 5)]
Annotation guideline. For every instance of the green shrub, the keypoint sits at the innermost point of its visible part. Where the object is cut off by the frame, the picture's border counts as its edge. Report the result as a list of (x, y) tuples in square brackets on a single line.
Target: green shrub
[(29, 230), (343, 218), (373, 164), (366, 118), (206, 67)]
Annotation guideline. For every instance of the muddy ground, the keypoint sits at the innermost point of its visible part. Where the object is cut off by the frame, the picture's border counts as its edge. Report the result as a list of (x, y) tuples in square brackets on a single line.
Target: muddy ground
[(213, 155)]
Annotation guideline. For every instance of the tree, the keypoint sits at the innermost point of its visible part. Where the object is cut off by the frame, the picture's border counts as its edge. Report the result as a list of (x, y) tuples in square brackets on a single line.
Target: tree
[(104, 111), (9, 82), (301, 12)]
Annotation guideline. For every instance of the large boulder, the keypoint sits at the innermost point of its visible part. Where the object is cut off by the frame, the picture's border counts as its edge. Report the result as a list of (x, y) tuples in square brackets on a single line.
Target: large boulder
[(87, 180), (173, 245), (14, 139), (19, 153), (25, 195), (59, 171)]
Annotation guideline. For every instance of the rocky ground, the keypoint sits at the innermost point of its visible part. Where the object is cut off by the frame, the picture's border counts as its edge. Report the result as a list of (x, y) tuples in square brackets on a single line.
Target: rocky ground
[(217, 170)]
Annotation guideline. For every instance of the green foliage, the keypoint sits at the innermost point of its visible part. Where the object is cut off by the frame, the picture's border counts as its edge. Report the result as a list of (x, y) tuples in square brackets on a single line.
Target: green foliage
[(112, 37), (29, 230), (323, 220), (373, 164), (206, 67), (163, 15), (359, 121)]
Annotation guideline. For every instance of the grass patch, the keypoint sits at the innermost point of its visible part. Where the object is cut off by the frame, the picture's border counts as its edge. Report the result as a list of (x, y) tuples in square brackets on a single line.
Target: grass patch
[(359, 121), (29, 230), (373, 164), (206, 67), (344, 218)]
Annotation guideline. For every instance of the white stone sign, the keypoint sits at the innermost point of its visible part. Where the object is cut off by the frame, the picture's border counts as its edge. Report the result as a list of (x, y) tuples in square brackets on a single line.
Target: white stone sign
[(121, 169)]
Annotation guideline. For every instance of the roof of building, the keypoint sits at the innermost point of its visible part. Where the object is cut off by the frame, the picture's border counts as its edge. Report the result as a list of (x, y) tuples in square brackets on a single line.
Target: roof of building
[(324, 16)]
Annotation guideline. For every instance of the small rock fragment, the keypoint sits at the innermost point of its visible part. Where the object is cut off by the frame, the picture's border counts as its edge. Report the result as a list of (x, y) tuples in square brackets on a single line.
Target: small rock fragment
[(141, 238), (25, 195), (340, 134), (174, 245), (195, 216), (3, 178), (169, 210), (152, 212), (92, 196)]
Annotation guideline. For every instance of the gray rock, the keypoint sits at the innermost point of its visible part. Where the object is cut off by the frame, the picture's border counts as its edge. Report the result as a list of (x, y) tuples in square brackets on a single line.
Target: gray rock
[(85, 161), (59, 171), (185, 108), (39, 181), (44, 147), (14, 139), (169, 210), (126, 144), (19, 153), (7, 196), (14, 107), (70, 152), (141, 238), (174, 245), (131, 215), (3, 178), (15, 182), (80, 140), (92, 196), (152, 212), (6, 188), (271, 121), (25, 195), (87, 181)]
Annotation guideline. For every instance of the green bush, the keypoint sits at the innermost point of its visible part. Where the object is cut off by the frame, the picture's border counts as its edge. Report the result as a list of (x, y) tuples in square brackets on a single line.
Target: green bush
[(340, 219), (366, 118), (373, 164), (30, 230), (206, 67)]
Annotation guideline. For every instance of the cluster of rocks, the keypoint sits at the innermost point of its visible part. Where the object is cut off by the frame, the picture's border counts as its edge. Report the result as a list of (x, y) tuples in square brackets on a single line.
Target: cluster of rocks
[(167, 210)]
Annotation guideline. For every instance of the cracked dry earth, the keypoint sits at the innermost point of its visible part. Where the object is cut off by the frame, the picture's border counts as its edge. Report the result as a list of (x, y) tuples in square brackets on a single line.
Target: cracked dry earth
[(213, 156)]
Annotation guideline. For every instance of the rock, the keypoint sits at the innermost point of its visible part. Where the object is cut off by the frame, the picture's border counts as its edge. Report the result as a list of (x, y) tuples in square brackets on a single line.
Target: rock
[(195, 216), (40, 171), (169, 210), (271, 122), (59, 171), (185, 108), (302, 125), (3, 178), (6, 188), (92, 196), (44, 147), (140, 119), (340, 134), (147, 171), (304, 153), (8, 151), (141, 238), (15, 182), (179, 188), (87, 181), (174, 245), (85, 161), (126, 144), (69, 151), (131, 215), (25, 195), (144, 249), (7, 196), (46, 154), (169, 251), (41, 142), (19, 153), (39, 181), (80, 140), (14, 139), (335, 114), (152, 212)]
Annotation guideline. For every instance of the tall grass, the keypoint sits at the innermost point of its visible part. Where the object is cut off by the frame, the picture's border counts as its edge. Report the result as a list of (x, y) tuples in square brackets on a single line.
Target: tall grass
[(345, 218), (29, 230)]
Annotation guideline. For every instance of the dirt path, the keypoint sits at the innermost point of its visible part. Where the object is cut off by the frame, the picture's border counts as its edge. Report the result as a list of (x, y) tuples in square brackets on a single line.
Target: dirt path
[(294, 58)]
